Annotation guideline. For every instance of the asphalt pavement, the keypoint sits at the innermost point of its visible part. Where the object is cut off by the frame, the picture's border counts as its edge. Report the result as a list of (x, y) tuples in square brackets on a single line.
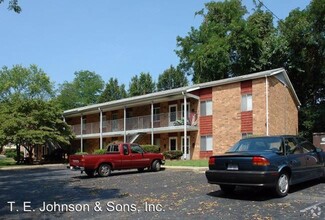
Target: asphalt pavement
[(54, 192)]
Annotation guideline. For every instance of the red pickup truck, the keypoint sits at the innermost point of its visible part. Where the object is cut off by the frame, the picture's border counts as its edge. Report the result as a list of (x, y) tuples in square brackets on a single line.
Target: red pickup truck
[(119, 156)]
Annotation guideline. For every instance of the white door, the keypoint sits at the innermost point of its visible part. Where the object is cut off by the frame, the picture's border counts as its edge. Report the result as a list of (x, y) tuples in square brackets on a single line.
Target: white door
[(173, 143), (172, 114)]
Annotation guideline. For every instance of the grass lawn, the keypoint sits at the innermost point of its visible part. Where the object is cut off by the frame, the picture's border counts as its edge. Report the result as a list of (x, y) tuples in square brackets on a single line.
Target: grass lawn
[(7, 162), (190, 163)]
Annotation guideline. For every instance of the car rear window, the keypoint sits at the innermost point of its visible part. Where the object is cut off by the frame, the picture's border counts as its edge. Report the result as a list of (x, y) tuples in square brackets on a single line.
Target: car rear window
[(113, 148), (257, 144)]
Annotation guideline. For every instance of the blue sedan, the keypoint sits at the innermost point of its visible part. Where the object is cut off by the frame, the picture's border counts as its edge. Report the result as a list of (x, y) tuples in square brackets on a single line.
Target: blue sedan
[(272, 161)]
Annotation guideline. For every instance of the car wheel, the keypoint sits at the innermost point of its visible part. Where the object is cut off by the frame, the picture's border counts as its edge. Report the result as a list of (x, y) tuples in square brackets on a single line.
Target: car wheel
[(104, 170), (140, 170), (90, 173), (227, 188), (282, 185), (156, 166)]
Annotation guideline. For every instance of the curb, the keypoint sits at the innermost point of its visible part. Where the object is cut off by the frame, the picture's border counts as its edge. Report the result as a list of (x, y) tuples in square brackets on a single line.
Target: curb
[(186, 168), (27, 167)]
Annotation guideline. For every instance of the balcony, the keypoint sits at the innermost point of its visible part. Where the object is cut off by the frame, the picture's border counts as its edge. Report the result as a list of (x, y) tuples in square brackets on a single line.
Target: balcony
[(164, 121)]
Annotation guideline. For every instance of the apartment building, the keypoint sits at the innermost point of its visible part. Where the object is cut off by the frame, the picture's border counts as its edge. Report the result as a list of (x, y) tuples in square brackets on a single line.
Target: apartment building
[(201, 120)]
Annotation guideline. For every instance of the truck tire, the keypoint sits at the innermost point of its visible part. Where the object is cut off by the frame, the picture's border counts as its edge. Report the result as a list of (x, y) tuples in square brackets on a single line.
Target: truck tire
[(90, 173), (104, 170), (156, 166)]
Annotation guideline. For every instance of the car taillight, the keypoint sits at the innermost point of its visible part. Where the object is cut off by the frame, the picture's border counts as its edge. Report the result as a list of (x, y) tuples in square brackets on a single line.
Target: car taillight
[(212, 160), (260, 161)]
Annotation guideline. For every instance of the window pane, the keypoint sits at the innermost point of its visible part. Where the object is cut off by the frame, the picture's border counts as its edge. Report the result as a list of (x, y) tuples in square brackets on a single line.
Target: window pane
[(249, 103), (209, 108), (209, 144), (203, 143), (243, 103), (203, 108)]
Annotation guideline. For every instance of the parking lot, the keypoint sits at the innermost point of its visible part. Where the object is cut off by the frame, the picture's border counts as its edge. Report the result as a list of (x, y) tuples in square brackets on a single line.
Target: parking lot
[(55, 192)]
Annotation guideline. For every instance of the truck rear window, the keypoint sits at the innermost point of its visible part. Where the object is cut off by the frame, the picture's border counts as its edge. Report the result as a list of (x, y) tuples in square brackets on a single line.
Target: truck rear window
[(112, 148)]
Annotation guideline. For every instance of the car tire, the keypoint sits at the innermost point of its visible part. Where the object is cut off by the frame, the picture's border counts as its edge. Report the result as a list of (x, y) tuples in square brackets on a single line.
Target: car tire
[(156, 166), (104, 170), (227, 189), (282, 185), (140, 170), (90, 173)]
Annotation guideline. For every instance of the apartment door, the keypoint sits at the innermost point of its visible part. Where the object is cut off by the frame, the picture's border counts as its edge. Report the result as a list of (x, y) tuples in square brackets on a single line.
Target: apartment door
[(172, 114), (172, 143)]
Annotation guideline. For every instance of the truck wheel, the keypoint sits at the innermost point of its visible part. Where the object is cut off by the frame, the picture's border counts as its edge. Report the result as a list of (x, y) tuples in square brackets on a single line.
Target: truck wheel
[(155, 166), (90, 173), (282, 185), (104, 170)]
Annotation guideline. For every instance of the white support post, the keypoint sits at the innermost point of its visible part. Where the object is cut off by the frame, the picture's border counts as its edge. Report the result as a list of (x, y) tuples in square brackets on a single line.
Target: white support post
[(81, 135), (185, 127), (152, 135), (124, 124), (100, 128), (267, 104)]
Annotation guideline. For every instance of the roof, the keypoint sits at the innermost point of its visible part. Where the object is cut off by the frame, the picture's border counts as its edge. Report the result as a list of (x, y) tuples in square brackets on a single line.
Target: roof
[(156, 97)]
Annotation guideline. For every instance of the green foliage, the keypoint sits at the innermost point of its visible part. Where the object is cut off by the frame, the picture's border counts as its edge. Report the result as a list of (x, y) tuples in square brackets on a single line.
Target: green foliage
[(27, 83), (13, 5), (12, 153), (171, 78), (31, 123), (173, 154), (84, 90), (151, 148), (100, 151), (113, 91), (81, 153), (141, 85)]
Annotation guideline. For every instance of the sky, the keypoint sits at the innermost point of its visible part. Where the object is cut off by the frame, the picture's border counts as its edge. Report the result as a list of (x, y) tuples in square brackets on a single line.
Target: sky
[(113, 38)]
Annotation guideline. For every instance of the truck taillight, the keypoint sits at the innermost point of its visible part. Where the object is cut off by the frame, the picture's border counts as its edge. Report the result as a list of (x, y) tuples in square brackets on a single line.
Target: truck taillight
[(82, 158), (260, 161), (212, 160)]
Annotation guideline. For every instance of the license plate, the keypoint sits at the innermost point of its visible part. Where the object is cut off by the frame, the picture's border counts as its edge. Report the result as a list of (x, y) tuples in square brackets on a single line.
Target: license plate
[(232, 167)]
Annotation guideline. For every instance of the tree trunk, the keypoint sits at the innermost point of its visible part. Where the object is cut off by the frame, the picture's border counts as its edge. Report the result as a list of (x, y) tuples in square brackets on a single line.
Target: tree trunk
[(18, 153)]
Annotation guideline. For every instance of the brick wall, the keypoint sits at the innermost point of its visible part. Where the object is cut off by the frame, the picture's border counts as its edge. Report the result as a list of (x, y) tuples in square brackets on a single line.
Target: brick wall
[(259, 110), (226, 116), (283, 113)]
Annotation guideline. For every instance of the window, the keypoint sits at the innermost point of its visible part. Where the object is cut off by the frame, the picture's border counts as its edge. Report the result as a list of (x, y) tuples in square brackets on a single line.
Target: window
[(187, 110), (104, 121), (136, 149), (172, 114), (156, 114), (246, 102), (206, 108), (84, 124), (172, 143), (307, 147), (113, 148), (206, 143)]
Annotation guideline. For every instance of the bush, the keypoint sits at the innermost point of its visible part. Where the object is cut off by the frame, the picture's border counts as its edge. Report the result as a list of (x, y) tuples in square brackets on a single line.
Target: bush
[(12, 153), (173, 154), (100, 151), (151, 148)]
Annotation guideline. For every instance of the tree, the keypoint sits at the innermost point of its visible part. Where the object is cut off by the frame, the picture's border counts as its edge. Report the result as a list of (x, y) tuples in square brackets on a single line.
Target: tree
[(27, 83), (171, 78), (84, 90), (141, 85), (32, 122), (226, 44), (112, 91), (13, 5), (304, 31)]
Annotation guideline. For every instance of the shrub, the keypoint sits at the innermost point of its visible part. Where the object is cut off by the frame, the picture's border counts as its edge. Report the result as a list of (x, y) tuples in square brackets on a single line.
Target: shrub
[(173, 154), (151, 148), (12, 153), (100, 151)]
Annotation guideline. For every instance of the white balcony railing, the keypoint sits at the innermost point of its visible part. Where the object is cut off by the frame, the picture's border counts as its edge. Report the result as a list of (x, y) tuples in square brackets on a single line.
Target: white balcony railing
[(134, 123)]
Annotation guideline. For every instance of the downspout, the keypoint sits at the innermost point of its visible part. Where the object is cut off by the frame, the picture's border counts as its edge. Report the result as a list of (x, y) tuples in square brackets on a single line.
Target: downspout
[(100, 128), (267, 104)]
